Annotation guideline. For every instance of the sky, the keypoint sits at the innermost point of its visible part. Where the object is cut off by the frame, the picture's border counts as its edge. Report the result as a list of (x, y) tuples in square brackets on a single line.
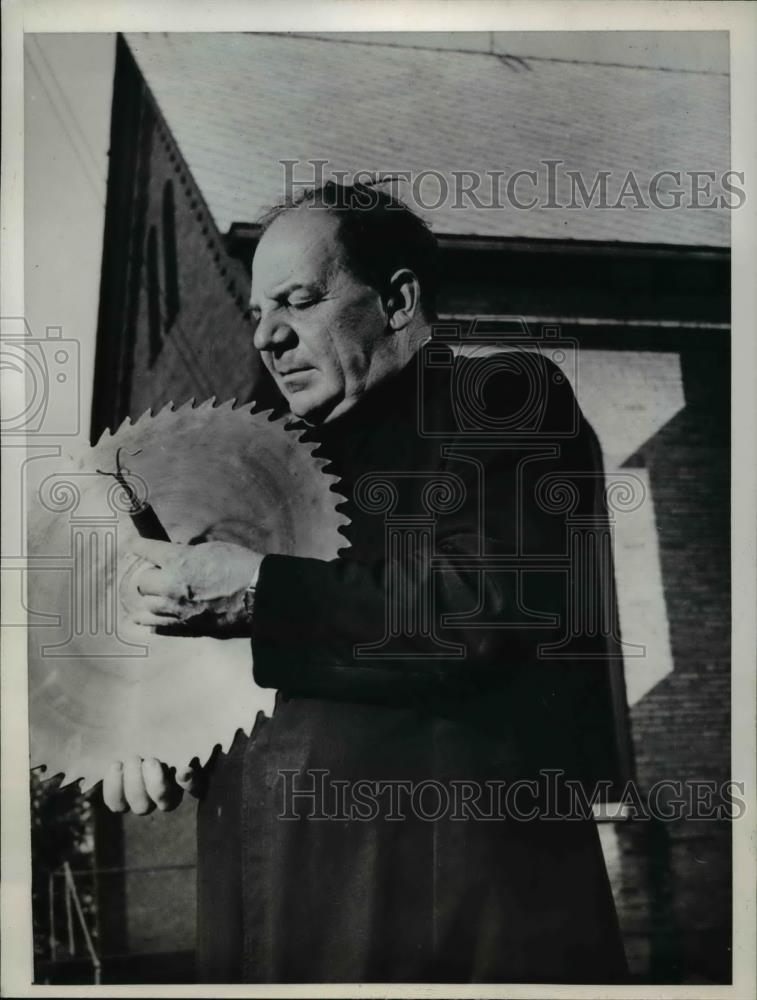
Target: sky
[(68, 82)]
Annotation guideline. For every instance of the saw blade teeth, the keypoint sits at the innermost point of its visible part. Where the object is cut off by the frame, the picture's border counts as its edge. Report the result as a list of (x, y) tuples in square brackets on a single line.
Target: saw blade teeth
[(318, 489), (66, 777), (164, 411), (124, 425), (334, 485), (321, 464), (147, 415), (224, 741)]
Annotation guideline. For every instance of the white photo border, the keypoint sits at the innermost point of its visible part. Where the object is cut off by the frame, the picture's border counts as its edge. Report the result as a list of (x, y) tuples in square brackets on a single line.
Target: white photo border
[(740, 20)]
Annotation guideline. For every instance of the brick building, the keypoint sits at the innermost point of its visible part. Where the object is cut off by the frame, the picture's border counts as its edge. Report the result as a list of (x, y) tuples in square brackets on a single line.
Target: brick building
[(200, 124)]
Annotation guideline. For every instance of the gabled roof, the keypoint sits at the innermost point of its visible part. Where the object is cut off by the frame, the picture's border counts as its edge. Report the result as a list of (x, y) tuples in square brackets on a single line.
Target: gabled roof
[(239, 103)]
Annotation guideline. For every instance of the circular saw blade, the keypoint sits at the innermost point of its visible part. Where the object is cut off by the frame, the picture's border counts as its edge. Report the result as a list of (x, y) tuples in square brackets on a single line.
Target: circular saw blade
[(102, 689)]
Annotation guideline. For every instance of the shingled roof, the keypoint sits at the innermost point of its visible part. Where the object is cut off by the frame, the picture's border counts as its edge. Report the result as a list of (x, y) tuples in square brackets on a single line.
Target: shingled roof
[(239, 103)]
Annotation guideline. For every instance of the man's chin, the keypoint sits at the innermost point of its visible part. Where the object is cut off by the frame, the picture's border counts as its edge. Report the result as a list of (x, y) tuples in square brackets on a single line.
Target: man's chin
[(309, 407)]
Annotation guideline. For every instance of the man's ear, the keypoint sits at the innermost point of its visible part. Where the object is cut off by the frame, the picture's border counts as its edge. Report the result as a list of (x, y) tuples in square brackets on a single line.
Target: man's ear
[(403, 299)]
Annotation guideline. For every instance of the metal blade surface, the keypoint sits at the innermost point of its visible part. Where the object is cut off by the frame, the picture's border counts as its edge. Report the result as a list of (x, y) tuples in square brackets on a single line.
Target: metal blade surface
[(101, 689)]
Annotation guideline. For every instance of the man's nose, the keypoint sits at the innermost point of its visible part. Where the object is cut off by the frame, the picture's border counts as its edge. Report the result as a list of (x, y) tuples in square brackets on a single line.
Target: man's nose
[(272, 334)]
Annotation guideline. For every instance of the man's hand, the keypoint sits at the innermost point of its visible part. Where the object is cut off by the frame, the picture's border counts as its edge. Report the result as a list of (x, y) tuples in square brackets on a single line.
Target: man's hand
[(194, 589), (141, 785)]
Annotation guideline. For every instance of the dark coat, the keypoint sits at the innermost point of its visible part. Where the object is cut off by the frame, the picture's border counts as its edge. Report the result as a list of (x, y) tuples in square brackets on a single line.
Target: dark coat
[(456, 898)]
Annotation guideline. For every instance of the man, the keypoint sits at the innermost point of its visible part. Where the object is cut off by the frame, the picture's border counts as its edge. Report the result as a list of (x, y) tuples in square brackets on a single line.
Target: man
[(402, 665)]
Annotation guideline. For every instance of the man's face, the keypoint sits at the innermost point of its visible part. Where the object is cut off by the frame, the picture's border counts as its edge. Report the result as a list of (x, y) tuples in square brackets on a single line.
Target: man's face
[(321, 331)]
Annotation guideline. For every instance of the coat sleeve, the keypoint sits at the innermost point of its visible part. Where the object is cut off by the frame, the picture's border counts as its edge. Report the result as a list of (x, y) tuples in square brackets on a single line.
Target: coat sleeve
[(312, 617)]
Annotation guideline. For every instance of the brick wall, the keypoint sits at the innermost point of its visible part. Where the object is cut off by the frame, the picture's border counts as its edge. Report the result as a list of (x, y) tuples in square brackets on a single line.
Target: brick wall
[(173, 313), (673, 879)]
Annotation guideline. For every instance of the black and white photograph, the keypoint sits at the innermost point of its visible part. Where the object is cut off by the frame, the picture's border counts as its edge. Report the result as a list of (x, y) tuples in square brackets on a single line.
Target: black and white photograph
[(378, 535)]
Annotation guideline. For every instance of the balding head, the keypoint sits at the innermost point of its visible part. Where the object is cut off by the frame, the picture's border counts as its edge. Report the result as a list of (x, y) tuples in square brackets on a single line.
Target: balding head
[(326, 334)]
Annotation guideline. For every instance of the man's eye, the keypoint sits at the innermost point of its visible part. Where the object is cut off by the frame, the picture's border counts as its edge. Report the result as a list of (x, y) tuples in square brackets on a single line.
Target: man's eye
[(301, 303)]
